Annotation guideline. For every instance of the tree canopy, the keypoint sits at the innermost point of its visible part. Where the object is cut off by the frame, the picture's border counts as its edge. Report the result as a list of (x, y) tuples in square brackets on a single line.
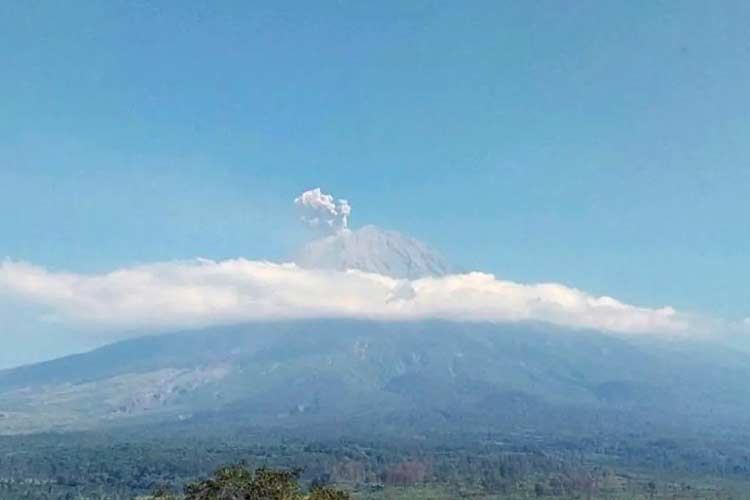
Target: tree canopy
[(240, 483)]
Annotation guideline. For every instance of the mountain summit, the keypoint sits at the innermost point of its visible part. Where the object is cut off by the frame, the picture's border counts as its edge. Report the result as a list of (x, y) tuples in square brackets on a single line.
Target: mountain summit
[(374, 250)]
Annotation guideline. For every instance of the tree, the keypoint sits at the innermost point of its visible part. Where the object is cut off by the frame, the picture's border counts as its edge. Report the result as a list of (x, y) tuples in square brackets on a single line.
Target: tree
[(274, 485), (239, 483), (327, 493)]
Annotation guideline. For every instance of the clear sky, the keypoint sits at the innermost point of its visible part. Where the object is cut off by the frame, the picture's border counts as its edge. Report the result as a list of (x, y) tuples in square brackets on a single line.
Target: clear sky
[(603, 145)]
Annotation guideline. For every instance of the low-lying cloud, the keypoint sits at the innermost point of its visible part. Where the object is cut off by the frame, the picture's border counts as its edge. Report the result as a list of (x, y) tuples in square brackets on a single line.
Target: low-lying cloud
[(204, 292)]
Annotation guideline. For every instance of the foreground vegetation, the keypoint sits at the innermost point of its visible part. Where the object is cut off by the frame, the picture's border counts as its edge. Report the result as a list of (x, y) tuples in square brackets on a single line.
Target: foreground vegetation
[(240, 483)]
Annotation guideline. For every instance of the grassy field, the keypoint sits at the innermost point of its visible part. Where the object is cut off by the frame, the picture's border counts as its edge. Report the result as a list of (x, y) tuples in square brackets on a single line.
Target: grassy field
[(626, 491), (437, 493)]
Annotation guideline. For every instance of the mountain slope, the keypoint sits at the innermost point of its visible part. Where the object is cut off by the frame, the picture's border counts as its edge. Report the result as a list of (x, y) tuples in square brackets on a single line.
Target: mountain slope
[(427, 373)]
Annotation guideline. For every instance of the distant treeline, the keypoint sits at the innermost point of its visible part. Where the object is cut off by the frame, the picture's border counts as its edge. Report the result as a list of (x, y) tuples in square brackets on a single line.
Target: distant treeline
[(92, 466)]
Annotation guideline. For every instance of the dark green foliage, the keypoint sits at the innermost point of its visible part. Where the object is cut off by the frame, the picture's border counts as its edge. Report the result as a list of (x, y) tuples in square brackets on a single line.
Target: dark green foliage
[(239, 483), (229, 483), (327, 493)]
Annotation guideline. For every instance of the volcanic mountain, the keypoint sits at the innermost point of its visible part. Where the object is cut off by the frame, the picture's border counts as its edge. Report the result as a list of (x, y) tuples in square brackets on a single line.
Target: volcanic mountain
[(375, 250)]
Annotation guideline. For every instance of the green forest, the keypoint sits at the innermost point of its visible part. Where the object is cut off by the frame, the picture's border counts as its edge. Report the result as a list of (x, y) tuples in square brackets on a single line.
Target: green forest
[(102, 466)]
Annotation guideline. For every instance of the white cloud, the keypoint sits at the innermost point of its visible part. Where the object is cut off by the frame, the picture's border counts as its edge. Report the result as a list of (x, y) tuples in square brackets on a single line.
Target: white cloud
[(204, 292)]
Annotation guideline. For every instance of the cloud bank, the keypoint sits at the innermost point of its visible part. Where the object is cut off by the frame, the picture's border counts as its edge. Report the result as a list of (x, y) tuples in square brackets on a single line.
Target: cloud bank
[(321, 212), (203, 292)]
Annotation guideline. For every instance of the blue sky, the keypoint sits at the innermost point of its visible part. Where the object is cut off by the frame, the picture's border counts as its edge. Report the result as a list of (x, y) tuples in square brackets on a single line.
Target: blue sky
[(603, 145)]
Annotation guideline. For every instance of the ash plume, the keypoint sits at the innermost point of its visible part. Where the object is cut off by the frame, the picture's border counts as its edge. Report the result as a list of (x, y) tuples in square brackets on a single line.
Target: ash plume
[(322, 212)]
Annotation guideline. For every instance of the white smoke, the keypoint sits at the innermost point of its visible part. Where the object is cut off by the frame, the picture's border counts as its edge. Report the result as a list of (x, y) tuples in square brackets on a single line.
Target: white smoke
[(321, 212)]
